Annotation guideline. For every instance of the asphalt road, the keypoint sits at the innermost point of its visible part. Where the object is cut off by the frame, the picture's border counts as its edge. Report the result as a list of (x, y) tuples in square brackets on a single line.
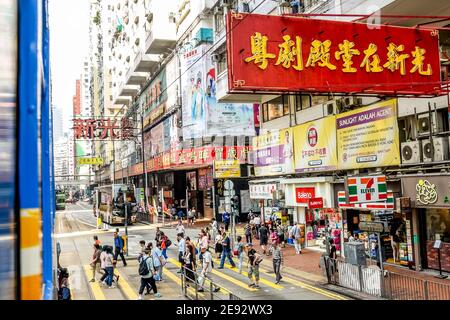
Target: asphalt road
[(76, 226)]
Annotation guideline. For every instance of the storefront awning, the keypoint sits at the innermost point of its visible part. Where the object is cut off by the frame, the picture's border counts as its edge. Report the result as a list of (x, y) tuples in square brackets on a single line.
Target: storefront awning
[(307, 180)]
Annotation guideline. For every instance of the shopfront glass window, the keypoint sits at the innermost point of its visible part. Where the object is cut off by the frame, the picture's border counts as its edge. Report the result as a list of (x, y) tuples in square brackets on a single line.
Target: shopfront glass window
[(276, 108), (438, 225)]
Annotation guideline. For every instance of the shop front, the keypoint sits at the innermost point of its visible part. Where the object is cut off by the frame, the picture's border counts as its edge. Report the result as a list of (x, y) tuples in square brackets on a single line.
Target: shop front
[(312, 203), (268, 195), (430, 202)]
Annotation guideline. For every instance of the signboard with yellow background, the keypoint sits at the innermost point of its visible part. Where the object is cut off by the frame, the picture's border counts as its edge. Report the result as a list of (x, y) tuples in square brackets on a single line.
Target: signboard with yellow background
[(90, 161), (315, 145), (368, 137), (227, 169)]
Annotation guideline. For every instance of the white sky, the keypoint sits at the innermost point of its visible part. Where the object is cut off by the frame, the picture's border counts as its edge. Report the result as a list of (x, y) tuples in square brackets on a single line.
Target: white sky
[(69, 44)]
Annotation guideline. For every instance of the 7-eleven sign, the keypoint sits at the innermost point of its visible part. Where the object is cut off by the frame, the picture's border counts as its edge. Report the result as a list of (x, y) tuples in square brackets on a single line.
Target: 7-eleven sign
[(366, 189)]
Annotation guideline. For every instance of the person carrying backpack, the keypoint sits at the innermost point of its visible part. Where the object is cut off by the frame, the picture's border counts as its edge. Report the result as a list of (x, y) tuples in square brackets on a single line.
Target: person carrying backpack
[(64, 291), (119, 248), (147, 271), (254, 259)]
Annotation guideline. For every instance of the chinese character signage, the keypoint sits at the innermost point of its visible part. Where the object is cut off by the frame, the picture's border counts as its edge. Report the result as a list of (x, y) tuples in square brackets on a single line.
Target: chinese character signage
[(302, 54), (262, 191), (315, 145), (366, 189), (274, 153), (103, 129), (90, 161), (368, 137), (227, 169)]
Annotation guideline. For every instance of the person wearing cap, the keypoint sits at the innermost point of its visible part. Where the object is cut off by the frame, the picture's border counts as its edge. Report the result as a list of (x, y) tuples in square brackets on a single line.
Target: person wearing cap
[(253, 266)]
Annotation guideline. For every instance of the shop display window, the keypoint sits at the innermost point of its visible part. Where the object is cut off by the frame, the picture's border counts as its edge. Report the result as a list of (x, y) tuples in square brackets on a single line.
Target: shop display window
[(438, 225)]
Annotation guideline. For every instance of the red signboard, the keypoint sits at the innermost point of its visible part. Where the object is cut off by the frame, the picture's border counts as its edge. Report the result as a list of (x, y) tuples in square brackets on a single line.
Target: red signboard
[(302, 54), (302, 195), (103, 129), (315, 203)]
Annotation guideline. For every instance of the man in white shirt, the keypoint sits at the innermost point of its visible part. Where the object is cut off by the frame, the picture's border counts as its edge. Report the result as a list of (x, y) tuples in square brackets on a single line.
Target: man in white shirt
[(206, 269), (296, 235), (180, 228), (181, 249)]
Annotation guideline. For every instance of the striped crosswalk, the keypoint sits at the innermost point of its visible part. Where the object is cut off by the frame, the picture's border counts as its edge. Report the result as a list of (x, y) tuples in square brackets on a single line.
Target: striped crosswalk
[(229, 279)]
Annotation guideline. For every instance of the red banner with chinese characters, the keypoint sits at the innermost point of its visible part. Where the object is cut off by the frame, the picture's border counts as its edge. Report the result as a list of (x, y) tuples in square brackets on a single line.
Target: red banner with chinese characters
[(311, 55)]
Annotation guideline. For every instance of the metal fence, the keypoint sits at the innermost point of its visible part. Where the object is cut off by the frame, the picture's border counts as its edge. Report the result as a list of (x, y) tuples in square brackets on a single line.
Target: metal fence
[(195, 287), (383, 284)]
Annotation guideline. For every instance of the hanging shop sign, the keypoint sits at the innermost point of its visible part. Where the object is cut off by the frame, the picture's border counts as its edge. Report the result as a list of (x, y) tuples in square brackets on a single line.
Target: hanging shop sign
[(303, 54), (303, 195), (262, 191), (315, 145), (90, 161), (427, 191), (368, 137), (315, 203), (274, 153), (103, 129), (366, 189), (371, 226), (227, 169)]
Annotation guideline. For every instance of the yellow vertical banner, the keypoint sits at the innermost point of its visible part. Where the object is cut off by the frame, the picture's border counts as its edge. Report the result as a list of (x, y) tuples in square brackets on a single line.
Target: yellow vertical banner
[(30, 254)]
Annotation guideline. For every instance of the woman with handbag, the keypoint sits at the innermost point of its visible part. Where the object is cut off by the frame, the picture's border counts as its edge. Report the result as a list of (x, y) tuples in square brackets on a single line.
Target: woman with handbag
[(189, 261)]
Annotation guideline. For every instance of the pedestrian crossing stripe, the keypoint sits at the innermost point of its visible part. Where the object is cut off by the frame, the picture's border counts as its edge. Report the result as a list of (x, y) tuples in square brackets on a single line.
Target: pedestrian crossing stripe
[(126, 288), (221, 275), (177, 280), (95, 286), (261, 280)]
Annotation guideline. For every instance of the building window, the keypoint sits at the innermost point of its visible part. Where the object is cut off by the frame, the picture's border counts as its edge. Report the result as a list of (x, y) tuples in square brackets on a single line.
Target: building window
[(276, 108), (302, 101), (222, 63)]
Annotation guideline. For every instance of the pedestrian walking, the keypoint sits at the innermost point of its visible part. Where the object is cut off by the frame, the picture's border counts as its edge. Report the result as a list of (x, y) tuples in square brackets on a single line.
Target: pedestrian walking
[(257, 224), (214, 228), (240, 252), (254, 259), (180, 228), (248, 233), (147, 272), (296, 235), (165, 243), (281, 236), (158, 235), (218, 249), (190, 216), (277, 261), (226, 220), (204, 243), (226, 253), (189, 262), (263, 238), (96, 241), (142, 249), (158, 261), (109, 267), (207, 266), (118, 248), (95, 262), (181, 250), (180, 215)]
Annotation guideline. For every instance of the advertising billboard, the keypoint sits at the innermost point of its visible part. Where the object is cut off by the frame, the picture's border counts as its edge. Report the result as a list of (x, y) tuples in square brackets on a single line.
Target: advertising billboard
[(315, 145), (368, 137), (308, 55), (274, 153), (227, 169)]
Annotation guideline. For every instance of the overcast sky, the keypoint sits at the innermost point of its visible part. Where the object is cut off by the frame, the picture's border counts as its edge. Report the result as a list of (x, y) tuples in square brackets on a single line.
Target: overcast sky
[(69, 44)]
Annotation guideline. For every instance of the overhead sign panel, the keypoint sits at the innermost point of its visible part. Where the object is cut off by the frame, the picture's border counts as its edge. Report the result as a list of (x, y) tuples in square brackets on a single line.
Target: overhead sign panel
[(302, 54)]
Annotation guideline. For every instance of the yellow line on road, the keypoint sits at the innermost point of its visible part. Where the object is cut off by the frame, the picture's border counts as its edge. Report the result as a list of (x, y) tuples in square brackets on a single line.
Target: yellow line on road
[(177, 280), (221, 275), (95, 286), (261, 280), (126, 288), (315, 289)]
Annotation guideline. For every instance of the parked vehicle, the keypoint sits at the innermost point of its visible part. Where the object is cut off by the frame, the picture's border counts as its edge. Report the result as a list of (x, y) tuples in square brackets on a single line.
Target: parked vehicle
[(110, 202)]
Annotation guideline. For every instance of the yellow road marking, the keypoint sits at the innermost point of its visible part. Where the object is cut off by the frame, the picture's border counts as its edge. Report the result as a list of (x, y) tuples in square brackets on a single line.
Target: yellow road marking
[(95, 286), (315, 289), (261, 280), (126, 288), (224, 276), (177, 280)]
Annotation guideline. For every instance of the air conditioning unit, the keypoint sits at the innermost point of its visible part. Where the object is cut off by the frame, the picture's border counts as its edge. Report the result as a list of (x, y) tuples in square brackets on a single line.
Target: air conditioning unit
[(330, 108), (411, 152), (439, 147), (351, 101), (424, 126), (215, 57), (245, 7), (226, 3)]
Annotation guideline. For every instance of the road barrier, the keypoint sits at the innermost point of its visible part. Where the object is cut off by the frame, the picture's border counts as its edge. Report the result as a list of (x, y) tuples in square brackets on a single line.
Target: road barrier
[(192, 288), (383, 283)]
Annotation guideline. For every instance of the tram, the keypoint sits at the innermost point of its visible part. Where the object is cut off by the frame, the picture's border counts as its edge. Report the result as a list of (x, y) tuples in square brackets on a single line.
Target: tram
[(27, 188)]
